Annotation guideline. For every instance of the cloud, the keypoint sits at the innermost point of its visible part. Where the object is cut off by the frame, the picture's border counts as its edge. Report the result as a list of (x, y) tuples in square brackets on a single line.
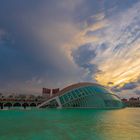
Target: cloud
[(39, 31), (116, 90), (99, 16), (82, 57), (2, 33), (58, 43), (69, 5), (122, 54), (137, 92), (117, 49), (113, 55), (81, 37), (128, 86)]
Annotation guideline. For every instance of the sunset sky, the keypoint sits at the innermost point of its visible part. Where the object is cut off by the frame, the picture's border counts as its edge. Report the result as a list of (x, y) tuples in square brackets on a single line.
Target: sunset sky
[(54, 43)]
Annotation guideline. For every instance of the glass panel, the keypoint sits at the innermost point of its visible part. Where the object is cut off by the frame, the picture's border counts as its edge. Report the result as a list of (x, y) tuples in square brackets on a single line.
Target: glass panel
[(66, 98), (81, 92), (89, 90), (86, 92), (100, 89), (78, 93), (74, 94), (61, 100), (86, 97), (69, 96)]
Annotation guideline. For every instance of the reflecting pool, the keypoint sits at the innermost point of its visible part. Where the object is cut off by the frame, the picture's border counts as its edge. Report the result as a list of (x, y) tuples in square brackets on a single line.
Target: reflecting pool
[(70, 124)]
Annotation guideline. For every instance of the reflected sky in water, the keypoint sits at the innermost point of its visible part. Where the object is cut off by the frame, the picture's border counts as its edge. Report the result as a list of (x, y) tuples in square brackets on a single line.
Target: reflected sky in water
[(70, 124)]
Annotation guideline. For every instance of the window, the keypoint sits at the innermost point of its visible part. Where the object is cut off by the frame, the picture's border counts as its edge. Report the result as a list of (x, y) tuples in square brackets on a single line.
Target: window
[(74, 94), (61, 100), (66, 98), (78, 93)]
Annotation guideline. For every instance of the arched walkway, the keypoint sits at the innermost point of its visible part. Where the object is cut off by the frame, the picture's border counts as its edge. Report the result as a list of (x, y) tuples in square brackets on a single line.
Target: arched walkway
[(16, 105), (1, 105), (8, 105), (25, 105), (32, 105)]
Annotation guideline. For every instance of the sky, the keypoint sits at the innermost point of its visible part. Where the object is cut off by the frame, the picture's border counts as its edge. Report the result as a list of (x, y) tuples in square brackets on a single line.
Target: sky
[(51, 43)]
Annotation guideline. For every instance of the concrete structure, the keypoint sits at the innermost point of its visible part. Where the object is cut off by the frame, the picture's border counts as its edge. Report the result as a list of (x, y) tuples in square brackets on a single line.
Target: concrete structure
[(12, 103), (83, 95)]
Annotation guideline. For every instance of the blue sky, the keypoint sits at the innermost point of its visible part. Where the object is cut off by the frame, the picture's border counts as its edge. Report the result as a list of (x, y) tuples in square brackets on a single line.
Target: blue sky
[(50, 43)]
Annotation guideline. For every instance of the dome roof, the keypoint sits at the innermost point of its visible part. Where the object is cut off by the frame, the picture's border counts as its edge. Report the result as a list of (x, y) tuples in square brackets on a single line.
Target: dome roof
[(78, 85), (84, 95)]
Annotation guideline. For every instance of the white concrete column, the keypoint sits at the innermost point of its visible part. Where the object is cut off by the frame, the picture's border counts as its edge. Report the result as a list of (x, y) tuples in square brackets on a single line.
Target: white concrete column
[(58, 101)]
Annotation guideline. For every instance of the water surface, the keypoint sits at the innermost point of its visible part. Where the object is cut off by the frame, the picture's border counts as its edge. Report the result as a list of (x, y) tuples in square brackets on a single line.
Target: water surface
[(70, 124)]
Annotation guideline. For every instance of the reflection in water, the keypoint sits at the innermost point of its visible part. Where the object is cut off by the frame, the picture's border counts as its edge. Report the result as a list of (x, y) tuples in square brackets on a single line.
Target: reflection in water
[(123, 124), (70, 124)]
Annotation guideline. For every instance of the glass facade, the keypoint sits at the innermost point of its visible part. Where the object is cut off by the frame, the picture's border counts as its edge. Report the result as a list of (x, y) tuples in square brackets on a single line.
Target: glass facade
[(90, 97)]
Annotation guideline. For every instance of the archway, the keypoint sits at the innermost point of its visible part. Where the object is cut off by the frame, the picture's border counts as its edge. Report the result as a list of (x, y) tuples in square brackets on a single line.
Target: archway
[(32, 105), (25, 105), (16, 104), (8, 105), (1, 105)]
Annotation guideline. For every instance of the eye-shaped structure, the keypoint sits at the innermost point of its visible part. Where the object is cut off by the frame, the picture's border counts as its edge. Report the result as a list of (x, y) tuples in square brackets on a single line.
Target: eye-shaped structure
[(83, 95)]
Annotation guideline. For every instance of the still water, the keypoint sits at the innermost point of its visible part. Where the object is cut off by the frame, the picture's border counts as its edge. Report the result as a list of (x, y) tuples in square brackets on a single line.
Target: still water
[(70, 124)]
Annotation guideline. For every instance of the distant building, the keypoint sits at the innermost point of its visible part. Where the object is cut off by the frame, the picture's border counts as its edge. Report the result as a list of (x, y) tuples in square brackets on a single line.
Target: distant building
[(133, 99), (55, 91), (46, 92), (132, 102)]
